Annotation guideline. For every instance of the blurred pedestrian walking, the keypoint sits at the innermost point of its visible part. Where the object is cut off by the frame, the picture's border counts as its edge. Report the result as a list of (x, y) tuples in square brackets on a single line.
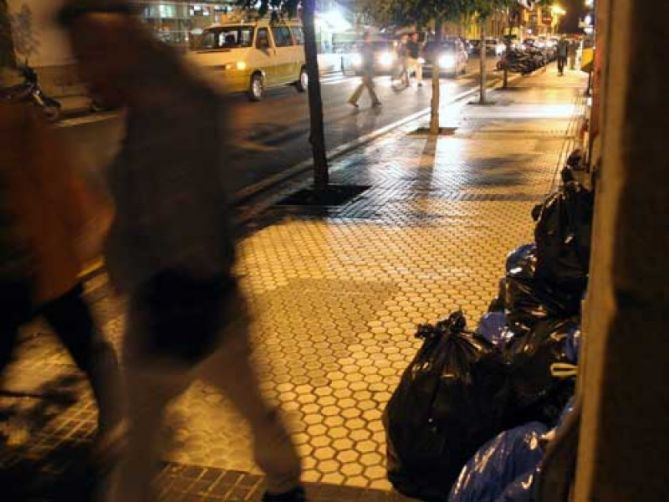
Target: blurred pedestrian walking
[(562, 53), (403, 61), (573, 49), (416, 61), (367, 54), (171, 246), (43, 225)]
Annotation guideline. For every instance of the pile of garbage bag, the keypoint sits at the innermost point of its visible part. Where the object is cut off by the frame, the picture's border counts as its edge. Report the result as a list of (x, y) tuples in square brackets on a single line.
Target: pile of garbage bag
[(473, 410)]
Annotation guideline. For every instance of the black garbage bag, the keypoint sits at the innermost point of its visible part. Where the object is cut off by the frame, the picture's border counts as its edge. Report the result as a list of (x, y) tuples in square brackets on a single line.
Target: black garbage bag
[(530, 299), (540, 387), (574, 163), (563, 235), (449, 402)]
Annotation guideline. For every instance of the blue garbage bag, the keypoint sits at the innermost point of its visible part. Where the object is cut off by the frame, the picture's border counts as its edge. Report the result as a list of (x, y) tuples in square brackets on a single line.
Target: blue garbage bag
[(498, 463), (522, 489), (572, 344), (491, 326)]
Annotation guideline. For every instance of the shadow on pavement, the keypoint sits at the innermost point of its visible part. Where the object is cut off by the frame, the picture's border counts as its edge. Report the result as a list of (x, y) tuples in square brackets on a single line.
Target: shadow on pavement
[(35, 464), (62, 474)]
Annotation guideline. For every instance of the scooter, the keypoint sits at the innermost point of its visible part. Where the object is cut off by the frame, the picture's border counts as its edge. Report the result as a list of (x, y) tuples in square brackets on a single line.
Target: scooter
[(30, 91)]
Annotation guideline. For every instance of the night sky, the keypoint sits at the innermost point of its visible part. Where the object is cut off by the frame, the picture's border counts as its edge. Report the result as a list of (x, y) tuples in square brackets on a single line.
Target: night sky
[(575, 10)]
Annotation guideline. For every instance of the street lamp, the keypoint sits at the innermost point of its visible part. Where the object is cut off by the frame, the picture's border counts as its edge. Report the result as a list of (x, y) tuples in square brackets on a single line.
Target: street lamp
[(556, 12)]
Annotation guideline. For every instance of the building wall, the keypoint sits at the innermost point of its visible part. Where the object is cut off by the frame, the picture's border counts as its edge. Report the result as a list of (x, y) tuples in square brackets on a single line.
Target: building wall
[(624, 445), (176, 22), (50, 54), (37, 16)]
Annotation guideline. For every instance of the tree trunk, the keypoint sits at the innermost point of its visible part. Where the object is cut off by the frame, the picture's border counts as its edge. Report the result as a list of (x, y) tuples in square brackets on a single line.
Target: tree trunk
[(436, 83), (7, 55), (507, 44), (482, 99), (317, 135)]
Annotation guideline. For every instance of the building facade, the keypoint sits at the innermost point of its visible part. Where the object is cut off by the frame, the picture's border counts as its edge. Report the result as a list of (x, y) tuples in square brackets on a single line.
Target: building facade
[(179, 22), (176, 22)]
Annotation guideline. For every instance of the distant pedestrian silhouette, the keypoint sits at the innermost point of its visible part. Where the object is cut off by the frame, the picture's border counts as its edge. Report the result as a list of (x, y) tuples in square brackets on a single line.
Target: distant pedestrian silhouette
[(367, 54)]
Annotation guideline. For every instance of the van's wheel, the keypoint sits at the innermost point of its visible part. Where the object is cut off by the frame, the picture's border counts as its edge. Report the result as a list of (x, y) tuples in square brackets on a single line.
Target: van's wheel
[(302, 83), (256, 88)]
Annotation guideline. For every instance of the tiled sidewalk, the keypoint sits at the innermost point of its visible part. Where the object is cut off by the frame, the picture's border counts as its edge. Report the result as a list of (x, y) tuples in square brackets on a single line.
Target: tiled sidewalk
[(338, 293)]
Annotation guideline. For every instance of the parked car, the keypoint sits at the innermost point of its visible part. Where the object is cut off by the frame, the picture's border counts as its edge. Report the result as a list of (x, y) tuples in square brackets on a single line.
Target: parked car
[(512, 40), (385, 59), (253, 57), (494, 47), (450, 55)]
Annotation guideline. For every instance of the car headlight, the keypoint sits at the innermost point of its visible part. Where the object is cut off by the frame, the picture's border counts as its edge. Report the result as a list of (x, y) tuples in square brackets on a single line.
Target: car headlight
[(386, 58), (446, 60), (356, 59), (241, 65), (499, 50)]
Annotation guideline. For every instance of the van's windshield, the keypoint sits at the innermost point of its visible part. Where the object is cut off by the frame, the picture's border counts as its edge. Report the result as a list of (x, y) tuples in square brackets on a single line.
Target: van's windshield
[(226, 37)]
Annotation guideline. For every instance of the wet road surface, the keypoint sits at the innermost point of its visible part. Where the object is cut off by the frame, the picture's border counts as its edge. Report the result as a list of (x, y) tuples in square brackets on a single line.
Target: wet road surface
[(271, 136)]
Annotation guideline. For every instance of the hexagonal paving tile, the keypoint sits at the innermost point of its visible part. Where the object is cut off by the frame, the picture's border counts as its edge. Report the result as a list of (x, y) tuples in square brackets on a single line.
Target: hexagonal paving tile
[(336, 300)]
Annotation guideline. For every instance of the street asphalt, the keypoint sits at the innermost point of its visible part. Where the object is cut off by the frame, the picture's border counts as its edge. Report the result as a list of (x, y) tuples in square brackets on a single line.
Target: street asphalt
[(271, 136)]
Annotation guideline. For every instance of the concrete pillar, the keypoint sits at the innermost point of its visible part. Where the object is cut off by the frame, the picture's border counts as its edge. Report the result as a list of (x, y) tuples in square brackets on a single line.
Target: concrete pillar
[(624, 445)]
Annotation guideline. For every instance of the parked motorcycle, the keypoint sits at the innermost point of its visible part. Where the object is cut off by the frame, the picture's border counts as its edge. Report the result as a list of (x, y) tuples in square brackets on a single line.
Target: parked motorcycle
[(518, 61), (523, 61), (30, 91)]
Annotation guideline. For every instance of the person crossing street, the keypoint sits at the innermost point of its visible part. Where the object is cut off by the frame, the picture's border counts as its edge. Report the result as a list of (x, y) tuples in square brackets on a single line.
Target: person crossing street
[(403, 61), (415, 62), (367, 53)]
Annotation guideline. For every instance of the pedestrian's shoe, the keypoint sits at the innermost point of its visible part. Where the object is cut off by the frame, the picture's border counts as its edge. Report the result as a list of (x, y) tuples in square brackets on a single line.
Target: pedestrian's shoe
[(353, 104), (420, 84), (376, 104), (295, 495)]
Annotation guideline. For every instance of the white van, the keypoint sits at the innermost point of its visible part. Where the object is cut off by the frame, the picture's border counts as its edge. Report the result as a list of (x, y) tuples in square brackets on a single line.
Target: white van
[(253, 57)]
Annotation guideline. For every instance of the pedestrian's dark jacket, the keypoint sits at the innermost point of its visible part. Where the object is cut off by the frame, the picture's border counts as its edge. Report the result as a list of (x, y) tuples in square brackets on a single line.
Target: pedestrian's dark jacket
[(414, 49), (167, 181), (563, 48)]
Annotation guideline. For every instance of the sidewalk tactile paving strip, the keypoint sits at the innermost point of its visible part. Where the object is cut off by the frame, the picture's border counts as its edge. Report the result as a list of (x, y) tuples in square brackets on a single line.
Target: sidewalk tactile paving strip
[(337, 294)]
